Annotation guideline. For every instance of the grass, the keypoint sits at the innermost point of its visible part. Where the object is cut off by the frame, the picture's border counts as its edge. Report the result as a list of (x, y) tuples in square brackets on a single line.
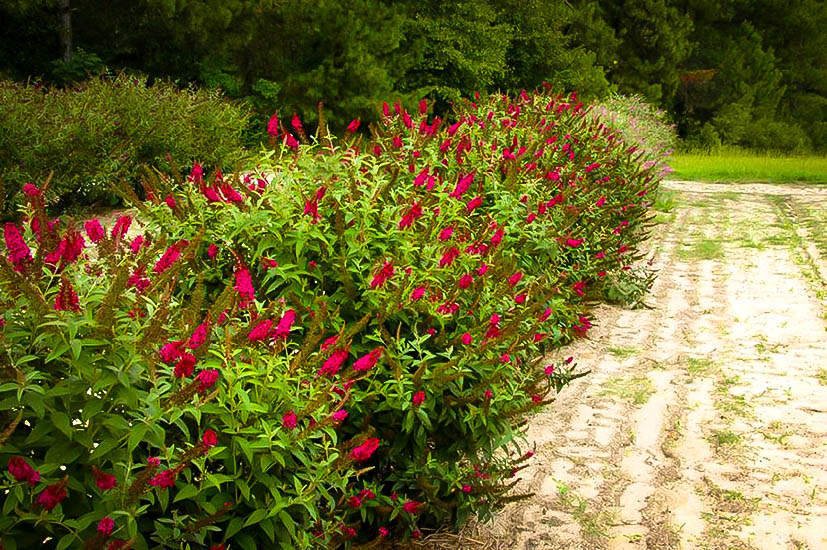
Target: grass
[(699, 366), (725, 438), (593, 525), (743, 166), (706, 249), (636, 389), (621, 352)]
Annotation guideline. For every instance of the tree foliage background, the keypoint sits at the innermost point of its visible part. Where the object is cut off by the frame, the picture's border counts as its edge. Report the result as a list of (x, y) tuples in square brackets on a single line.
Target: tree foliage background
[(751, 73)]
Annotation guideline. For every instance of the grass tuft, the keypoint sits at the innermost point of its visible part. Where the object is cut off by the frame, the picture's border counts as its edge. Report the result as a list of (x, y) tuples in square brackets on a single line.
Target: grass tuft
[(636, 389)]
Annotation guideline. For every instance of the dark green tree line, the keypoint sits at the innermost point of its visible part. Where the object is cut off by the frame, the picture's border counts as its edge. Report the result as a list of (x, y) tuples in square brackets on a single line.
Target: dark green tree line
[(751, 73)]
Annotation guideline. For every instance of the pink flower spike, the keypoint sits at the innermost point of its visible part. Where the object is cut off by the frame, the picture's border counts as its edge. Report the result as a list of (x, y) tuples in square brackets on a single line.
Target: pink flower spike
[(260, 331), (273, 126), (289, 420), (106, 526), (473, 204), (354, 125), (365, 450), (367, 362), (94, 230), (31, 190), (209, 440)]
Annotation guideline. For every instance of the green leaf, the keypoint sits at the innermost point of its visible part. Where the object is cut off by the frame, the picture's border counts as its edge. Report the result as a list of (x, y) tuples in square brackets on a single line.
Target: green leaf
[(77, 346), (267, 526), (66, 541), (243, 487), (234, 527), (255, 517), (62, 423), (247, 542), (288, 522), (136, 435), (163, 498), (61, 348), (9, 504), (190, 490), (104, 448)]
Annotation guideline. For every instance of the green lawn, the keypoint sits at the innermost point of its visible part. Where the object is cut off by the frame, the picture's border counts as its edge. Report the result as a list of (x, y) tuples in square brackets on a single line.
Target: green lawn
[(744, 166)]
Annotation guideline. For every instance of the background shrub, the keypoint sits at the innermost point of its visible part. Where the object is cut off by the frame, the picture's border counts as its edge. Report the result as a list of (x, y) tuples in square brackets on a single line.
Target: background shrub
[(642, 125), (101, 131), (370, 315)]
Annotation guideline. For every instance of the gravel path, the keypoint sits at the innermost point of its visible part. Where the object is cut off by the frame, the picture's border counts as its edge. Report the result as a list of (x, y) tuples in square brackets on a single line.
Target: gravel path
[(704, 421)]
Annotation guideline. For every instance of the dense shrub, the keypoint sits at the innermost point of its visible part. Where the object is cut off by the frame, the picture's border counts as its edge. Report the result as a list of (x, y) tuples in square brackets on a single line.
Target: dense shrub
[(101, 131), (342, 348), (642, 125)]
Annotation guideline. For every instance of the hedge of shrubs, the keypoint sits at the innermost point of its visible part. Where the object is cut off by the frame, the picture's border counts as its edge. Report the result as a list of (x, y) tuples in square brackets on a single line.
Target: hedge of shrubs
[(101, 131), (339, 349)]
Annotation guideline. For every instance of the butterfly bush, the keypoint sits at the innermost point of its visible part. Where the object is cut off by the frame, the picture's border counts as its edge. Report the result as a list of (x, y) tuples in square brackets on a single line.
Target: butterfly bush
[(338, 349)]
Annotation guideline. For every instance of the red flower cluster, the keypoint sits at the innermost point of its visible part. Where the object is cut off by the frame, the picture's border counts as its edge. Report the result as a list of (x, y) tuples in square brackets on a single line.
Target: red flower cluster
[(52, 495), (209, 440), (121, 227), (282, 330), (22, 471), (69, 248), (67, 298), (104, 481), (184, 362), (167, 259), (207, 379), (244, 286), (106, 526), (410, 216), (164, 480), (333, 363), (365, 450), (19, 254), (199, 336), (384, 274), (412, 507), (289, 420), (94, 230), (367, 362)]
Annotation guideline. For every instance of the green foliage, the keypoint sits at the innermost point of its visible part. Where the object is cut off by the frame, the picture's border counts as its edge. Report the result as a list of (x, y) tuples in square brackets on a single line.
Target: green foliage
[(640, 124), (437, 295), (77, 69), (99, 132), (738, 70), (629, 287)]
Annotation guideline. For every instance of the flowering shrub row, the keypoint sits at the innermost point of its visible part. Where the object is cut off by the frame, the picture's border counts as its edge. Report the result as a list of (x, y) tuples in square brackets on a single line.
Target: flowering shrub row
[(340, 348)]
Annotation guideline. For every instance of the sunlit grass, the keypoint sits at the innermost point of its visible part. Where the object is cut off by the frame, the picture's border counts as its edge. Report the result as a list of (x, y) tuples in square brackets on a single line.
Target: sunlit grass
[(745, 166)]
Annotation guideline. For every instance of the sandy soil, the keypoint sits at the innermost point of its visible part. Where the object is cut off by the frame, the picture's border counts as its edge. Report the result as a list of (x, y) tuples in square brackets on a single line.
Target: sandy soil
[(704, 421)]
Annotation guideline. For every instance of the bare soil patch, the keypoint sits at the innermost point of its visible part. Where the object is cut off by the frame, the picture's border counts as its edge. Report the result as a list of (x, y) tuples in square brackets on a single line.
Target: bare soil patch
[(704, 421)]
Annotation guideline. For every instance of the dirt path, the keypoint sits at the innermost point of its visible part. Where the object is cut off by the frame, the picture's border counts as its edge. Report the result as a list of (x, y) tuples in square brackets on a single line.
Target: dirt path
[(704, 421)]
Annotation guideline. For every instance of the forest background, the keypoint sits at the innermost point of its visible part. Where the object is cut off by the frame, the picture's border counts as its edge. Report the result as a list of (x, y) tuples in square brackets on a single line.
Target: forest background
[(744, 73)]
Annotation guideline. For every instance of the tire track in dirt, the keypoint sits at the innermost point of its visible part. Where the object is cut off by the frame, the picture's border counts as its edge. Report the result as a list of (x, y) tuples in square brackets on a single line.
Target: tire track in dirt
[(704, 421)]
